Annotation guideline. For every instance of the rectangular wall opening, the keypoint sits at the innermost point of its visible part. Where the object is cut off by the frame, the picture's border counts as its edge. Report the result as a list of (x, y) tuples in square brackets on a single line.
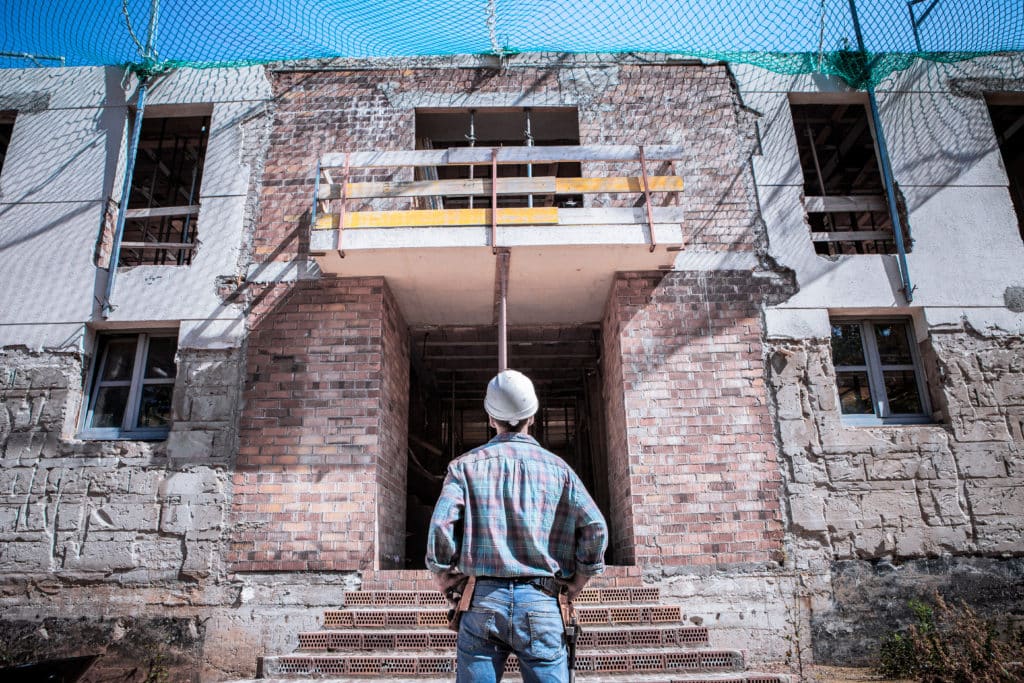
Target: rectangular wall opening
[(450, 368), (499, 127), (1008, 122)]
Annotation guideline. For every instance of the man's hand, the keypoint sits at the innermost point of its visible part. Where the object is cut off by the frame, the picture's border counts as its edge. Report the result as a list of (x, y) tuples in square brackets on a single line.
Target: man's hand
[(574, 587), (446, 582)]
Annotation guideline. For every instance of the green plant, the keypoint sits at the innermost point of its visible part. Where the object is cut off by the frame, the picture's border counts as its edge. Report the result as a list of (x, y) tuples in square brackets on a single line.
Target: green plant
[(948, 644)]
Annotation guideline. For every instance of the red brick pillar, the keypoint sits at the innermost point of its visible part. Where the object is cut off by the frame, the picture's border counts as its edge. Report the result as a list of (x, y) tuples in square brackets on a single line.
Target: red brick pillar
[(320, 477), (692, 446)]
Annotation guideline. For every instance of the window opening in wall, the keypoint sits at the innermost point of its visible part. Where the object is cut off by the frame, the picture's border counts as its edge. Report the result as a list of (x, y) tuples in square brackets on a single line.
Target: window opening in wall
[(499, 127), (844, 193), (132, 383), (6, 130), (878, 372), (163, 203), (1008, 121), (449, 375)]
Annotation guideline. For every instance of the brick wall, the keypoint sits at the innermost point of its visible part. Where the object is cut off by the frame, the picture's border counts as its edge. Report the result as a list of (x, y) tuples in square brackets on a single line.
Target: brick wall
[(954, 487), (695, 106), (392, 467), (320, 422), (702, 459), (620, 524)]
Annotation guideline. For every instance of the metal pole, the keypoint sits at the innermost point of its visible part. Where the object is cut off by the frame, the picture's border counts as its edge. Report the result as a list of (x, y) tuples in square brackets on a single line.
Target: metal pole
[(472, 143), (529, 164), (502, 318), (122, 209), (887, 179)]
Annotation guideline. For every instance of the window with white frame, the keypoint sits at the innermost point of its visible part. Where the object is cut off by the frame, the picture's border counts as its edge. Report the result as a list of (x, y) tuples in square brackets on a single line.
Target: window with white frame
[(133, 380), (878, 372)]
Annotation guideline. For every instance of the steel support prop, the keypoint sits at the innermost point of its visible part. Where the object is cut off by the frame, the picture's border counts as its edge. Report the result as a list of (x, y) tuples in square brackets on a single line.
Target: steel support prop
[(503, 257)]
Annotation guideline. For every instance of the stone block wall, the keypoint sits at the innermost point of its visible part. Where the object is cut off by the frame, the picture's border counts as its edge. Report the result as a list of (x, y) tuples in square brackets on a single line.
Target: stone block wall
[(703, 467), (137, 511), (909, 491), (322, 410)]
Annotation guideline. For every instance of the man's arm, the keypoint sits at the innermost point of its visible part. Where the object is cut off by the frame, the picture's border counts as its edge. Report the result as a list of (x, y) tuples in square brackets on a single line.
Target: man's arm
[(444, 539), (591, 539)]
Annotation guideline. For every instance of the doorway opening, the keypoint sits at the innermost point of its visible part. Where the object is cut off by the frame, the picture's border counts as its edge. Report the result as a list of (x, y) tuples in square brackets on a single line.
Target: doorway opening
[(450, 368)]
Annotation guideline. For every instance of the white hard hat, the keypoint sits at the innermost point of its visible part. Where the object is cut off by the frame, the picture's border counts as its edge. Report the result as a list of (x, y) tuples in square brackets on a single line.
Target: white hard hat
[(510, 397)]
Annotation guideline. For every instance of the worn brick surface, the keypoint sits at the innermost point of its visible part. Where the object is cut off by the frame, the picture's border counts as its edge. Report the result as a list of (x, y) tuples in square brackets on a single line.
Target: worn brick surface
[(702, 462), (322, 427)]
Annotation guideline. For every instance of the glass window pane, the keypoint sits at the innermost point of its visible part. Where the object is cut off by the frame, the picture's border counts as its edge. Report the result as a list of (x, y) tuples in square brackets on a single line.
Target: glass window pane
[(893, 345), (901, 390), (119, 359), (160, 361), (108, 411), (854, 393), (847, 348), (155, 408)]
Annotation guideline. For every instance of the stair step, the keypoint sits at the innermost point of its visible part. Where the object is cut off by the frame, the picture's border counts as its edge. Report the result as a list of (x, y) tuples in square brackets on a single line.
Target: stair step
[(438, 618), (581, 677), (433, 598), (436, 662), (593, 637)]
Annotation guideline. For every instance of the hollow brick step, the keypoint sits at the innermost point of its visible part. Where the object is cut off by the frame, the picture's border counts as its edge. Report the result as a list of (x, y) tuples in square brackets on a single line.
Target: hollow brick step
[(434, 662), (433, 598), (581, 677), (593, 637), (435, 618)]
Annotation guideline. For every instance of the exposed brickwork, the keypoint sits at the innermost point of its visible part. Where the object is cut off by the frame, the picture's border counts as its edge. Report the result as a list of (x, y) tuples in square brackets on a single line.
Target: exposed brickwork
[(394, 436), (702, 458), (317, 401), (337, 111), (620, 545), (955, 487)]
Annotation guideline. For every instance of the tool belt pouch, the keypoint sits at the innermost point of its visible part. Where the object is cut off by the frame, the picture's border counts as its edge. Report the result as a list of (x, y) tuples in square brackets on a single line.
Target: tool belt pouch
[(463, 601)]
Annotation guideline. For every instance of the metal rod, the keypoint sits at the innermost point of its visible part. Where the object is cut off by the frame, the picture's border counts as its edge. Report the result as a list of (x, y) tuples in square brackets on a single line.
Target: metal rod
[(647, 198), (887, 178), (494, 200), (529, 164), (344, 201), (126, 188), (503, 257), (472, 143)]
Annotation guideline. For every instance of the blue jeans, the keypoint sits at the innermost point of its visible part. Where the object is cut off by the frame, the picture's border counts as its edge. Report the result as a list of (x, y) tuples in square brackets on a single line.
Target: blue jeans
[(507, 617)]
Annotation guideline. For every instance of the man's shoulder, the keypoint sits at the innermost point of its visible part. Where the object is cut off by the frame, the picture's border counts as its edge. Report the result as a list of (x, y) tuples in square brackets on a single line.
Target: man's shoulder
[(525, 451)]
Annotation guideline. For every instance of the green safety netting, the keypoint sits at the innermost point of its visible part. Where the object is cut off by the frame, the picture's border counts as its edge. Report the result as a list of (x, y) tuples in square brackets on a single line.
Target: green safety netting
[(788, 36)]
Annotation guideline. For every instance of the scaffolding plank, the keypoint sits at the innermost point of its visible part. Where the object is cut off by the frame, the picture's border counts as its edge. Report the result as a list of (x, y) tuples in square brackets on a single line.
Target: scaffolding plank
[(440, 217), (659, 183), (506, 155), (157, 212), (461, 187), (845, 203), (851, 236)]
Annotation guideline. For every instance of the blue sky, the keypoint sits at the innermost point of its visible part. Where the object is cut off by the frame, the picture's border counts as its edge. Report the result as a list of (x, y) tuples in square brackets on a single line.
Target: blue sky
[(212, 32)]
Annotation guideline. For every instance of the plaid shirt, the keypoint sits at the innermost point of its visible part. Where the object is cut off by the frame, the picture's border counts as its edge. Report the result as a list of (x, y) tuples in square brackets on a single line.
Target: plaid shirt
[(511, 508)]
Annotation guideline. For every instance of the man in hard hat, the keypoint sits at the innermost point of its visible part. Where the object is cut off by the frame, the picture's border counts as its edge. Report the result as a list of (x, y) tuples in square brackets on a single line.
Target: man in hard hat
[(518, 519)]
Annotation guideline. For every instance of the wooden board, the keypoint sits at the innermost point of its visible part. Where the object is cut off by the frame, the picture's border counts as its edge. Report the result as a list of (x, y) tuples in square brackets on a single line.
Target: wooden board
[(506, 155), (518, 186), (163, 211), (845, 203), (443, 217), (851, 236)]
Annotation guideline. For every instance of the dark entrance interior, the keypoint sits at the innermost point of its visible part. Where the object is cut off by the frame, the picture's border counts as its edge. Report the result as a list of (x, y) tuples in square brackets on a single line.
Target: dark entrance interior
[(448, 378)]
